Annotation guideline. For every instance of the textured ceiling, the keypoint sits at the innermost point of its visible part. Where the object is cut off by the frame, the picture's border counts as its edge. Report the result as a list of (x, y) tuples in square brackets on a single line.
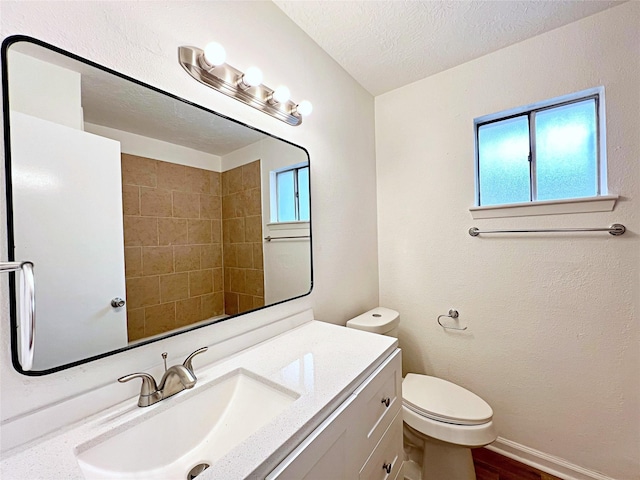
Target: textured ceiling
[(387, 44), (113, 102)]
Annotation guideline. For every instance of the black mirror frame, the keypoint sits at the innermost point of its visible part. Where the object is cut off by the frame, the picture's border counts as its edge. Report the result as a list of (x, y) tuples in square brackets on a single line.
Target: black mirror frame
[(7, 42)]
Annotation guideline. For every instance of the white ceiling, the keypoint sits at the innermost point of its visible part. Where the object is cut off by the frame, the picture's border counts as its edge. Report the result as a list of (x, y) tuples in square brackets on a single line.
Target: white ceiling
[(385, 45)]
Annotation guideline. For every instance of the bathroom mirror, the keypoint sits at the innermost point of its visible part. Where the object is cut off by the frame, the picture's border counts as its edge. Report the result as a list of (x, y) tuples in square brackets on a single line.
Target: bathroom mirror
[(144, 215)]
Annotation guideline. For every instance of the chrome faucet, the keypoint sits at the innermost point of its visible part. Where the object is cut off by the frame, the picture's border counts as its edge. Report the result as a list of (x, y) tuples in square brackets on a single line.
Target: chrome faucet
[(174, 380)]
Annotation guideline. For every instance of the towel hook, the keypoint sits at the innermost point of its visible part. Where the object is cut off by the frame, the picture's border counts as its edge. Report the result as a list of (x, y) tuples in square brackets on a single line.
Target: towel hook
[(452, 314)]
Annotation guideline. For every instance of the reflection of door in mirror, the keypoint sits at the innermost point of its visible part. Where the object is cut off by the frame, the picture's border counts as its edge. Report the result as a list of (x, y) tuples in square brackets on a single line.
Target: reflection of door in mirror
[(122, 192), (66, 190), (93, 270)]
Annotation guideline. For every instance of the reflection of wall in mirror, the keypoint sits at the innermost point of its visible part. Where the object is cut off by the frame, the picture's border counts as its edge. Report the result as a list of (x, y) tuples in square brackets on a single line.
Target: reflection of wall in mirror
[(46, 91), (173, 245), (193, 246), (287, 263), (242, 186), (242, 238)]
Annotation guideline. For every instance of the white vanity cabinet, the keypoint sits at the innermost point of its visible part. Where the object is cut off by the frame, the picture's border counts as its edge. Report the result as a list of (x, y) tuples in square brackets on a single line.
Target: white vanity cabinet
[(361, 439)]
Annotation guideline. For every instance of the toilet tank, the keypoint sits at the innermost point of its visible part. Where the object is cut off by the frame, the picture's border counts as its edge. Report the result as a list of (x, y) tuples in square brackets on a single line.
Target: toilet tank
[(380, 320)]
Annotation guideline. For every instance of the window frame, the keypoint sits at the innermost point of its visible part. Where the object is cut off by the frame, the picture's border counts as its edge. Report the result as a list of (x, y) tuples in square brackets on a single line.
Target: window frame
[(274, 199), (530, 111)]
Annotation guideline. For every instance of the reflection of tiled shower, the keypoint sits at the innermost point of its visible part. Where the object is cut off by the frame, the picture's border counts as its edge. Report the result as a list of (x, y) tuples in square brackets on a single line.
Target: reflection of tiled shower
[(242, 238), (173, 217)]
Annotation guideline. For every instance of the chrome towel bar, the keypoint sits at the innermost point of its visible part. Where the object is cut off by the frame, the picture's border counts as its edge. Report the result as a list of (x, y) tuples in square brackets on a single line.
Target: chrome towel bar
[(615, 229), (27, 316), (268, 239)]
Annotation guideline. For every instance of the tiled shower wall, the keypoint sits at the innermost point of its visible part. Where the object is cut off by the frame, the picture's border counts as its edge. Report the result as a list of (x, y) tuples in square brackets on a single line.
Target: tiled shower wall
[(173, 245), (242, 239)]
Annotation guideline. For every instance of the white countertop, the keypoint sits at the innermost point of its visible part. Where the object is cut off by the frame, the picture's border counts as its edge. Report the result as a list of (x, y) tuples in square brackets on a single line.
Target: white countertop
[(321, 362)]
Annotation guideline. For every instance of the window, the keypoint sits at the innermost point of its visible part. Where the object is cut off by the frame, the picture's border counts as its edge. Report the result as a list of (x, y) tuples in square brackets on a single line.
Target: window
[(550, 151), (292, 195)]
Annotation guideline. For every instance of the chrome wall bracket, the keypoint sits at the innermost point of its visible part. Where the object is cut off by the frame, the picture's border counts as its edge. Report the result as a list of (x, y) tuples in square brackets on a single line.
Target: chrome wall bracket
[(451, 314), (226, 79)]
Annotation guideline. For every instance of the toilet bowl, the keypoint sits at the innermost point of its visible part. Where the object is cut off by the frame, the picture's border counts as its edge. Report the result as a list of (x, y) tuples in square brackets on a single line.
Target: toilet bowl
[(441, 418)]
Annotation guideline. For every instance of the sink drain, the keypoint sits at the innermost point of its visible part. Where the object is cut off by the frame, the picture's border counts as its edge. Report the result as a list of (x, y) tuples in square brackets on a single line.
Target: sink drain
[(197, 470)]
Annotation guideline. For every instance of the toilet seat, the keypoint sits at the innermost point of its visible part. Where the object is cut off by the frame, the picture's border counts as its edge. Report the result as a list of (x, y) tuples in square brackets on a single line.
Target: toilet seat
[(443, 401), (462, 435)]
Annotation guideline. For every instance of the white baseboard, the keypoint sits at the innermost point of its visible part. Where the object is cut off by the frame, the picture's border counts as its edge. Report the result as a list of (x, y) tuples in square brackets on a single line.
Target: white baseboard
[(543, 461)]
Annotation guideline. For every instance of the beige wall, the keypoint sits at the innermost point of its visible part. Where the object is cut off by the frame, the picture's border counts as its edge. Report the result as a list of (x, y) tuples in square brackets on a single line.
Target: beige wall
[(553, 320)]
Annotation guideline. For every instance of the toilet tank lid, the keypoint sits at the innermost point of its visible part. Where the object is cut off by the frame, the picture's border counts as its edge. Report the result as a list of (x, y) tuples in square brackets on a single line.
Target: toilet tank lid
[(378, 320)]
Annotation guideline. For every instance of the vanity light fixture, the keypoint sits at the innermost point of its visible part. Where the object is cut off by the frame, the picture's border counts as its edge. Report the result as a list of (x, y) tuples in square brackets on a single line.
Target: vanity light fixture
[(208, 67), (214, 54), (304, 108), (280, 95)]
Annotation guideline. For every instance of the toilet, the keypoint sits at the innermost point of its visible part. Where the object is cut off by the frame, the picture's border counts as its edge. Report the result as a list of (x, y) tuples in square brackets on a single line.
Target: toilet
[(442, 420)]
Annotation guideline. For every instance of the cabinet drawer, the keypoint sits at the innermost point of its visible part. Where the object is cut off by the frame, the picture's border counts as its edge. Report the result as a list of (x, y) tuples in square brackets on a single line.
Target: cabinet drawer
[(386, 460), (377, 404)]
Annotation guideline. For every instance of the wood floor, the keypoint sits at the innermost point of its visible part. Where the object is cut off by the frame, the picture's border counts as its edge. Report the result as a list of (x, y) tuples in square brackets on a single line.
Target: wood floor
[(491, 466)]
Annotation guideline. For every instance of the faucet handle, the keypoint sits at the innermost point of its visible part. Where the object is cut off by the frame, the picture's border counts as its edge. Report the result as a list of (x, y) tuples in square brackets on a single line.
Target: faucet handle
[(149, 386), (187, 362), (164, 359)]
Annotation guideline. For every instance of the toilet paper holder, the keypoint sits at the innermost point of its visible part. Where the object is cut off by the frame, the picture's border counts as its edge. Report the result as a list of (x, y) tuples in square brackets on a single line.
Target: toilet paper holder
[(452, 314)]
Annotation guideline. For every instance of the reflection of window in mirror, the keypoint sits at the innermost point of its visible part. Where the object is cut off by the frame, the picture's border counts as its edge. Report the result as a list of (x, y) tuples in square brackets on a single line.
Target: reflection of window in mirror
[(290, 194)]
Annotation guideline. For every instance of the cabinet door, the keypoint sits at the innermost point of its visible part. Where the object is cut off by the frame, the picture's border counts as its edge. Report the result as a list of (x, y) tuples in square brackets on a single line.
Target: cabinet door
[(325, 454)]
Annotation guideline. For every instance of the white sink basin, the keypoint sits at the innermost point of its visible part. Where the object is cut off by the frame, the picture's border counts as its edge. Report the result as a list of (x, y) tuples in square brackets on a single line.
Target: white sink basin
[(196, 429)]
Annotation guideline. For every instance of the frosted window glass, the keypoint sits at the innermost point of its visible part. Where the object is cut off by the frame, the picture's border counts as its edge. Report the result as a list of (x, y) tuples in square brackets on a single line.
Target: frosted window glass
[(503, 156), (566, 151), (286, 196), (303, 193)]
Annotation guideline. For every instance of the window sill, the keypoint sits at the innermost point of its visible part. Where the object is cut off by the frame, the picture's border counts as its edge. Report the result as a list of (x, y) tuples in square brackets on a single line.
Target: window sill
[(603, 203), (287, 225)]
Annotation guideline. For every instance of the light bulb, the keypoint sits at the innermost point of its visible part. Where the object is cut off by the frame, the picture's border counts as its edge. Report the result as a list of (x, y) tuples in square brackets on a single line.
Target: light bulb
[(214, 54), (252, 77), (281, 94), (304, 108)]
